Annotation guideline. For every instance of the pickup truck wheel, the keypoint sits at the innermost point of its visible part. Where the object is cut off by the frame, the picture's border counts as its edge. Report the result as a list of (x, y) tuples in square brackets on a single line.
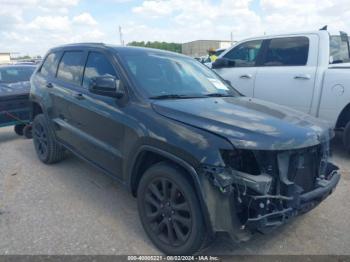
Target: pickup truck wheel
[(346, 137), (46, 147), (19, 129), (169, 210)]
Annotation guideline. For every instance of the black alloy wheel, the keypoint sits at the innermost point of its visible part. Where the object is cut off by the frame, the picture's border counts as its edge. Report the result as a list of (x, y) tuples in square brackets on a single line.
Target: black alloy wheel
[(40, 141), (46, 146), (170, 211)]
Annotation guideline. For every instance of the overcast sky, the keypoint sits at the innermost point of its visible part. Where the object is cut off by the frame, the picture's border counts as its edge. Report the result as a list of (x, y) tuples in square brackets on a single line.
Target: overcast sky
[(33, 26)]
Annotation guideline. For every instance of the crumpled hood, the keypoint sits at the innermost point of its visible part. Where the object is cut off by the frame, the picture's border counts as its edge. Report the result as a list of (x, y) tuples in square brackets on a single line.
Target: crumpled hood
[(248, 123), (19, 88)]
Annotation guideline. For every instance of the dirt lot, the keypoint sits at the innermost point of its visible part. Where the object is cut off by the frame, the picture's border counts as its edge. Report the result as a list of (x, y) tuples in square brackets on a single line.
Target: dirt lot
[(72, 208)]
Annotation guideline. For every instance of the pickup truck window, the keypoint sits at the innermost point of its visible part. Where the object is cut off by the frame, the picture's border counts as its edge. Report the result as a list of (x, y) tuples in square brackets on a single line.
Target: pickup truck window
[(71, 66), (97, 65), (288, 51), (339, 51), (50, 65), (245, 54)]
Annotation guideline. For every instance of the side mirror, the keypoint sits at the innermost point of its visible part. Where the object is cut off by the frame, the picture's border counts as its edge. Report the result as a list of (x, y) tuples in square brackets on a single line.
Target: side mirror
[(223, 63), (107, 86)]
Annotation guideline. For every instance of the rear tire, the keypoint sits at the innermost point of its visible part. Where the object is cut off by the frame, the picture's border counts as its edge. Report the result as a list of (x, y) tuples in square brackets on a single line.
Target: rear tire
[(19, 129), (46, 147), (27, 132), (346, 137), (170, 211)]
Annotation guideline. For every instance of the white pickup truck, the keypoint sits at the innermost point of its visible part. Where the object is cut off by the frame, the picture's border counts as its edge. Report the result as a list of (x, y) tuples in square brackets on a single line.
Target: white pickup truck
[(309, 72)]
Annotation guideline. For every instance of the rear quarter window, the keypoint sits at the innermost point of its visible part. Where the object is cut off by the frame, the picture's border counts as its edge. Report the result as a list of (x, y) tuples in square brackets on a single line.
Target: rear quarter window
[(49, 66), (339, 50), (70, 67), (288, 51)]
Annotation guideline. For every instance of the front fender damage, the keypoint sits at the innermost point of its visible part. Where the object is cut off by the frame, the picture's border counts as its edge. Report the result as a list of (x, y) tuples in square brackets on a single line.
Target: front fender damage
[(288, 184)]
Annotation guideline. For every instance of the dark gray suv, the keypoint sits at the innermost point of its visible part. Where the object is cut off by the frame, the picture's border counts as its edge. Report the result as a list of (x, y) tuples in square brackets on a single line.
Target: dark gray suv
[(199, 157)]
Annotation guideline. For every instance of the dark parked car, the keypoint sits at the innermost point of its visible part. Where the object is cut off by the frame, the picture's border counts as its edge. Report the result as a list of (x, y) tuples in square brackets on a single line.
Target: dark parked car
[(200, 157), (14, 95)]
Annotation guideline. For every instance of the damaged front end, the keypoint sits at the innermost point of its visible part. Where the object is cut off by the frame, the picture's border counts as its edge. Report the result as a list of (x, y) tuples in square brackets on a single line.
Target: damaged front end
[(260, 190)]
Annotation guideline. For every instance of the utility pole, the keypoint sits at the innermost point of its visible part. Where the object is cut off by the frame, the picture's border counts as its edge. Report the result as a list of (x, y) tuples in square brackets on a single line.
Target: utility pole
[(231, 37), (121, 36)]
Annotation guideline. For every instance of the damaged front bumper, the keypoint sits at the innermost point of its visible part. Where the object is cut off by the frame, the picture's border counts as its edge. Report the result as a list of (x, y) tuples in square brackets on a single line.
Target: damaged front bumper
[(289, 206), (294, 183)]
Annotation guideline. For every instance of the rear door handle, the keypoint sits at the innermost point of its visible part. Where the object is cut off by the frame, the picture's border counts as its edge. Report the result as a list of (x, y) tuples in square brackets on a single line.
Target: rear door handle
[(302, 77), (49, 85), (246, 76), (79, 96)]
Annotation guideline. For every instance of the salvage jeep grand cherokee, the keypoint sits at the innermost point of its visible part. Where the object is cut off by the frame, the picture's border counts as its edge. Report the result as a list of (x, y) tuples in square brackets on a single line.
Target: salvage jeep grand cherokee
[(200, 157)]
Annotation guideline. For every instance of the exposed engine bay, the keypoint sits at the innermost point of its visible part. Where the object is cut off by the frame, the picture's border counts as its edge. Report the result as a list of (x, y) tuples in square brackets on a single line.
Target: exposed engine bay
[(266, 188)]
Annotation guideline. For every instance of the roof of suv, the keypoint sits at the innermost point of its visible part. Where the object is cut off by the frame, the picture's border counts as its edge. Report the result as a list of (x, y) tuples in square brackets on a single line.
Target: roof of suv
[(118, 48)]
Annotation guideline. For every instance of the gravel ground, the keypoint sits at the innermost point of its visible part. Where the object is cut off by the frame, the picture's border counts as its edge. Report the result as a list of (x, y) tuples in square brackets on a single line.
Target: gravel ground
[(72, 208)]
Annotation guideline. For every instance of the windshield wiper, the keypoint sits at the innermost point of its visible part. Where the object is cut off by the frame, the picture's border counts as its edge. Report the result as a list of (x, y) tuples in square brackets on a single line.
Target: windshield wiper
[(218, 95), (174, 96)]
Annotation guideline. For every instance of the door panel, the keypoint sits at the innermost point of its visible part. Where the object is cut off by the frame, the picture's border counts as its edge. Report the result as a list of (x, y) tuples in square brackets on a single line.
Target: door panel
[(287, 75), (62, 91), (289, 86), (241, 78), (242, 75), (97, 119)]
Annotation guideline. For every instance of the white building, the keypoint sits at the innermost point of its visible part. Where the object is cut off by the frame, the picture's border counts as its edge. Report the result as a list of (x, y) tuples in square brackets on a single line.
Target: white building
[(200, 47), (5, 58)]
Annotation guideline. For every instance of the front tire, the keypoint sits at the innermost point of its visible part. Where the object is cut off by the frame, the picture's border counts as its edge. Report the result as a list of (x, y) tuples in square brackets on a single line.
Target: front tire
[(46, 147), (169, 210)]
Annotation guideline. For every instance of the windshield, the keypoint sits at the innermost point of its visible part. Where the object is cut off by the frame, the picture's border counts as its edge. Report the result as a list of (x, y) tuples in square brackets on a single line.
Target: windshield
[(16, 74), (162, 75), (339, 50)]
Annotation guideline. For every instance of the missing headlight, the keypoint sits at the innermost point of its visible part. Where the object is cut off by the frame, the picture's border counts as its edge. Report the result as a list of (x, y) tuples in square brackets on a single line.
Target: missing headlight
[(241, 160)]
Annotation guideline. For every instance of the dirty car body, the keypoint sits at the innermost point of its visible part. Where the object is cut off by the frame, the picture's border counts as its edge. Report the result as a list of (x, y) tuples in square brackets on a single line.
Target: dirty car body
[(277, 167), (252, 164)]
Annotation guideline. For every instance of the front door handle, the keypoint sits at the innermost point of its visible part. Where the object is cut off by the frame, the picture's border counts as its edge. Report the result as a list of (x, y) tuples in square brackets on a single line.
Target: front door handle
[(246, 76), (79, 96), (49, 85), (302, 77)]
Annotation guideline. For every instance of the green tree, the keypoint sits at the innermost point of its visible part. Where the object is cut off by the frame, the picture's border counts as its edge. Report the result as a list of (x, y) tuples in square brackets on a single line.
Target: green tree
[(174, 47)]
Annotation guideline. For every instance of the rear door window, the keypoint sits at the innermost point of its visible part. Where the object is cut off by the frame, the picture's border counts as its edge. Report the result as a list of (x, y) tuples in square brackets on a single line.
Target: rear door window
[(339, 50), (97, 65), (245, 54), (289, 51), (70, 67), (50, 65)]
